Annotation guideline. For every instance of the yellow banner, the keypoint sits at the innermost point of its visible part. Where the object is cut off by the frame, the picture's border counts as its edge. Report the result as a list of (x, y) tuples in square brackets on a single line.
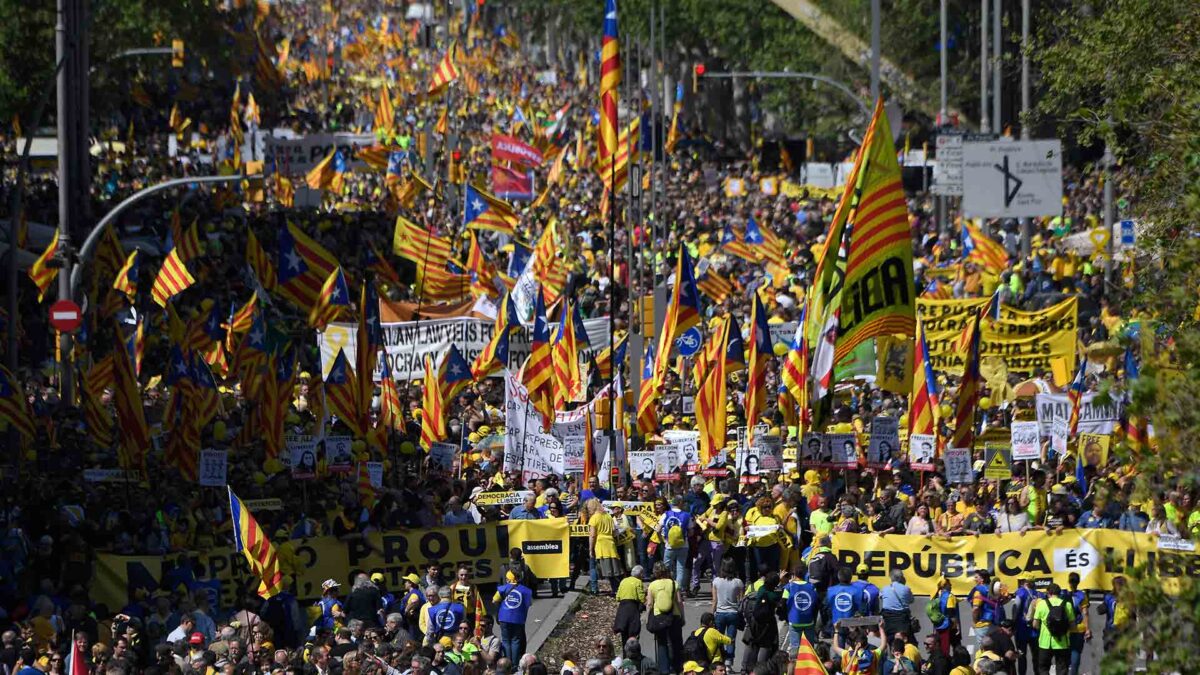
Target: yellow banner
[(482, 548), (1025, 340), (544, 543), (1097, 555)]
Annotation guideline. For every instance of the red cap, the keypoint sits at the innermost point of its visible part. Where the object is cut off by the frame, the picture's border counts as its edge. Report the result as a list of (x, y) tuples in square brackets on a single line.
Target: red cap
[(197, 638)]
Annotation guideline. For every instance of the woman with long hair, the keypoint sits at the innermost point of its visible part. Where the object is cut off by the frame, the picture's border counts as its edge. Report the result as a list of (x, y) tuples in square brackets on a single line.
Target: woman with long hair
[(602, 545), (727, 591)]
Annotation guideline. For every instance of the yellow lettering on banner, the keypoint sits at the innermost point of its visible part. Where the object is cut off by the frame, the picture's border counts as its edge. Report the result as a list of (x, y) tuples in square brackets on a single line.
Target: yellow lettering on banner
[(1097, 555), (482, 548), (1026, 341)]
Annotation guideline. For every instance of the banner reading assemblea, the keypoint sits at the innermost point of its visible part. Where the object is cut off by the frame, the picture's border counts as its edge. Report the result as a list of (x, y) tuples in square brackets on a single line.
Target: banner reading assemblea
[(1097, 555), (1026, 340), (482, 548), (408, 342)]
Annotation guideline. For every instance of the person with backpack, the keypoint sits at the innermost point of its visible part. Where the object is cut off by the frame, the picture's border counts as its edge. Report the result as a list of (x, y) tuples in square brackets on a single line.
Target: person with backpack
[(676, 523), (762, 633), (1081, 632), (800, 596), (664, 619), (942, 610), (1053, 619), (868, 591), (1025, 637), (986, 609), (445, 616), (706, 645)]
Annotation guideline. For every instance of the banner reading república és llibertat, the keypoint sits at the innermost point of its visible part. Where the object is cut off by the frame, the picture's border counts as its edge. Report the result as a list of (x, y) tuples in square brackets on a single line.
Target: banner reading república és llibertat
[(482, 548), (1025, 340), (407, 343), (1096, 554)]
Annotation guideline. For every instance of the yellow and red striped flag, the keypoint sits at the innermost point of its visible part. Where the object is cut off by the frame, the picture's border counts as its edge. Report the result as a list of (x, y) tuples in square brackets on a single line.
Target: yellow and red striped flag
[(127, 277), (539, 368), (41, 272), (710, 399), (760, 355), (614, 169), (568, 384), (341, 394), (173, 278), (414, 243), (647, 415), (302, 266), (610, 82), (243, 318), (971, 386), (250, 540), (979, 247), (259, 262), (385, 112), (446, 71), (332, 301), (329, 173), (485, 211), (714, 285), (807, 660), (433, 417), (131, 418), (923, 401), (391, 414), (13, 406)]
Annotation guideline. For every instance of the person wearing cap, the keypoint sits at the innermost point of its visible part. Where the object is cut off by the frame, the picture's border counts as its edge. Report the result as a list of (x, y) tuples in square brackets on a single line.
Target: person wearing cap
[(713, 524), (332, 614), (513, 600), (410, 601)]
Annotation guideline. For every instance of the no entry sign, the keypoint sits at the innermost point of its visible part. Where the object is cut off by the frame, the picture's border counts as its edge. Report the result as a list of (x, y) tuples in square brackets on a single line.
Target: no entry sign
[(66, 316)]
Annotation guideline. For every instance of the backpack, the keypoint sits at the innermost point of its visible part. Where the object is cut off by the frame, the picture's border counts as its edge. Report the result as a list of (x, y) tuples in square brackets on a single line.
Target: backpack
[(694, 648), (933, 610), (1057, 621)]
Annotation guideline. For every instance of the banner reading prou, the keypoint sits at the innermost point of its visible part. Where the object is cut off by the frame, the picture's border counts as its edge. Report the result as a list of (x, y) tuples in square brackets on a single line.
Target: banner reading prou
[(1097, 555), (482, 548)]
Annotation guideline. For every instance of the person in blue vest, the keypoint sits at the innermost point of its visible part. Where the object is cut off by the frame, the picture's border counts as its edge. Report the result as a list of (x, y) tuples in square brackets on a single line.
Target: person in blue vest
[(1081, 631), (513, 600), (842, 599), (946, 630), (986, 605), (444, 616), (802, 608), (869, 592), (1025, 637), (332, 614), (676, 524), (410, 603)]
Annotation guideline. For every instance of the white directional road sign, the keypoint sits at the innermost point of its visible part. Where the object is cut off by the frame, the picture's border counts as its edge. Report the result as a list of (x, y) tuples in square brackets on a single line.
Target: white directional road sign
[(1012, 179)]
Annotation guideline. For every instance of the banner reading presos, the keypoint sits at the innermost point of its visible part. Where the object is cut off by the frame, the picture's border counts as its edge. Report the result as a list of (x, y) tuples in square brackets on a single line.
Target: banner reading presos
[(1096, 554), (407, 343), (1026, 340), (482, 548)]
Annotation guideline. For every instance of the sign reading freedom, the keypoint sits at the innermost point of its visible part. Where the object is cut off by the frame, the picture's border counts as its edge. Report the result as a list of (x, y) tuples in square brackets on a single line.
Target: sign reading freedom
[(1025, 340), (407, 343), (482, 548)]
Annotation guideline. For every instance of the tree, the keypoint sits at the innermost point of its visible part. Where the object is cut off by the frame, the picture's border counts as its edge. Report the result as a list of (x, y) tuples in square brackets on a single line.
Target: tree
[(1127, 73)]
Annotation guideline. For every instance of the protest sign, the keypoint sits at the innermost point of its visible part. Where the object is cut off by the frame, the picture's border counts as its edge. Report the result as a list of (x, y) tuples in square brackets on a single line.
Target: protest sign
[(1026, 441), (885, 441)]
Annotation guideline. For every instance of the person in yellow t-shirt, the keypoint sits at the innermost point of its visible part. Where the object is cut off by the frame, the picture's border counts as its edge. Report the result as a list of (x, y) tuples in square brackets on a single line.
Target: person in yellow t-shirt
[(764, 543), (603, 547), (714, 640), (713, 523)]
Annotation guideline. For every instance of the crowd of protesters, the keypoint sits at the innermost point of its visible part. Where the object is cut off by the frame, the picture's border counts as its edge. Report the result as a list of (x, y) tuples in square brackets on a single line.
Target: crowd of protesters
[(443, 622)]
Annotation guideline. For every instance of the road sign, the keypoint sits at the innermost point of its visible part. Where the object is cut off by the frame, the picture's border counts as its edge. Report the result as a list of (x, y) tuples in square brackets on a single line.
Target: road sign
[(689, 343), (947, 175), (1127, 236), (997, 466), (66, 316), (1012, 179)]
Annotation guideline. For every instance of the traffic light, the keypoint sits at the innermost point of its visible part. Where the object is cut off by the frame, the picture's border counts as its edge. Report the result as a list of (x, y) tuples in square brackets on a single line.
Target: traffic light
[(697, 73), (457, 173), (176, 53)]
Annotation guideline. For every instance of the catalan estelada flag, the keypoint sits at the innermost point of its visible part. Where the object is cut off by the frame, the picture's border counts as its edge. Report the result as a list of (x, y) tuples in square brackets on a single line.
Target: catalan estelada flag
[(614, 170), (647, 415), (446, 71), (483, 211), (341, 393), (127, 277), (715, 286), (250, 540), (767, 246), (538, 375), (568, 384), (13, 407), (241, 320), (173, 278), (453, 374), (733, 244), (41, 273), (391, 414), (483, 272), (980, 248), (794, 374), (495, 353), (610, 82), (609, 356), (760, 355), (302, 266), (683, 310), (277, 396), (333, 300), (329, 173), (923, 401), (673, 132), (1075, 396), (370, 341), (374, 261)]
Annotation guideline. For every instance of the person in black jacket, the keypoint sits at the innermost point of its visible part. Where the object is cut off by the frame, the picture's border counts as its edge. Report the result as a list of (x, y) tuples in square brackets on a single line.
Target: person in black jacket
[(762, 632), (364, 602)]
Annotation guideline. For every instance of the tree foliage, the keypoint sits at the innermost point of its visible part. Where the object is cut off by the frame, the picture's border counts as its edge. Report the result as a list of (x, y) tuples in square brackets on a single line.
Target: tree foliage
[(1127, 73)]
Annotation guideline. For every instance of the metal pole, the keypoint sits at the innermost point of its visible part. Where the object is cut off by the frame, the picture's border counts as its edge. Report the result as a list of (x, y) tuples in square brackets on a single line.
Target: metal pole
[(660, 224), (985, 124), (1026, 224), (1109, 215), (875, 47), (997, 62), (940, 202), (93, 238), (66, 167)]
